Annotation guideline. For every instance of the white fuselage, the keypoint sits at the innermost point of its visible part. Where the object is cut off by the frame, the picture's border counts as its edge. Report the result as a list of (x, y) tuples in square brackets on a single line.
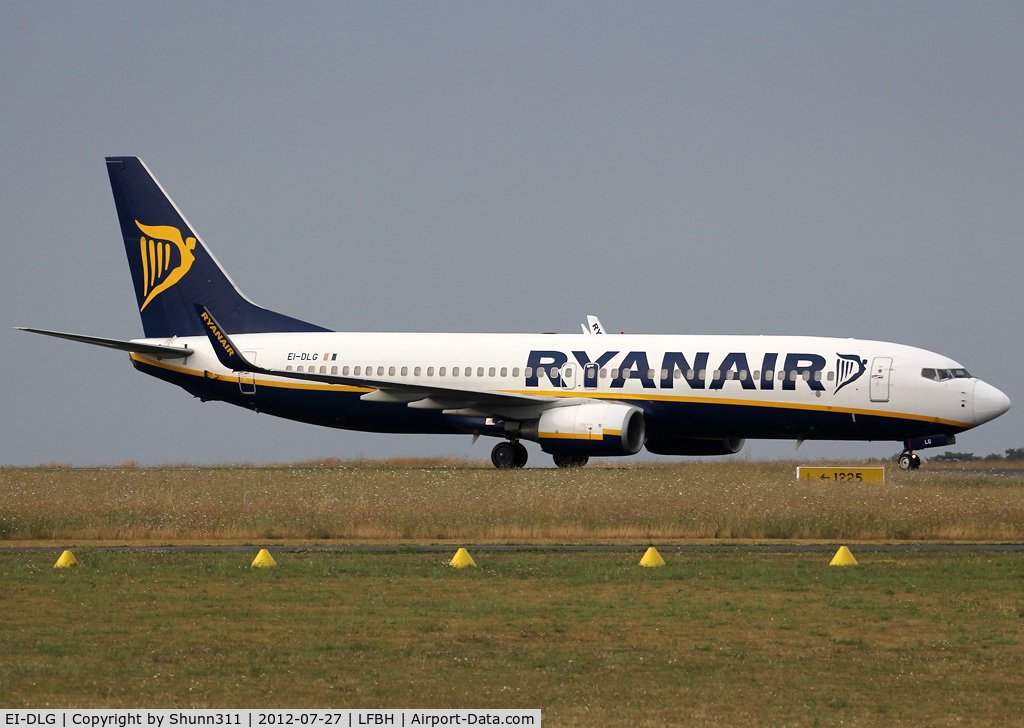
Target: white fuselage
[(740, 380)]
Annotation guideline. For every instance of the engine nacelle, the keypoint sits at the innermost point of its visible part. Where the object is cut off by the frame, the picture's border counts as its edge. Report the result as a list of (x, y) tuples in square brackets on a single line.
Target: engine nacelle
[(590, 429), (723, 446)]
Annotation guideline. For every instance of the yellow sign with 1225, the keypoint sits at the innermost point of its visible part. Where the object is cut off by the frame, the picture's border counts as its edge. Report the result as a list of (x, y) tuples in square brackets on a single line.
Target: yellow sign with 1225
[(842, 475)]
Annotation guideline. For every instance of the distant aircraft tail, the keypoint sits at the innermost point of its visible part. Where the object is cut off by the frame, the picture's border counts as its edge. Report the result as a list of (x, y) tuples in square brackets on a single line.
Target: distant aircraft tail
[(172, 268)]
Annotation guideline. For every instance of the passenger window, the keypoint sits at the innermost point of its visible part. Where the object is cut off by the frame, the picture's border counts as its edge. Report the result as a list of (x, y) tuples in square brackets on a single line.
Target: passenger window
[(323, 370), (603, 374), (440, 372), (405, 371), (677, 374), (730, 374), (554, 372), (416, 371), (300, 368), (650, 374), (757, 374), (615, 373), (568, 372), (369, 371), (831, 376), (769, 375), (626, 373), (430, 371), (344, 371), (702, 374), (391, 371), (792, 375), (504, 372), (817, 376), (689, 374), (782, 376), (717, 375), (455, 371), (357, 370), (743, 375), (490, 372), (288, 368)]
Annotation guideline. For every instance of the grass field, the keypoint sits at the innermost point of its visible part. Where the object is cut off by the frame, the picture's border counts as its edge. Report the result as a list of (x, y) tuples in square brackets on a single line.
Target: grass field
[(451, 501), (738, 639)]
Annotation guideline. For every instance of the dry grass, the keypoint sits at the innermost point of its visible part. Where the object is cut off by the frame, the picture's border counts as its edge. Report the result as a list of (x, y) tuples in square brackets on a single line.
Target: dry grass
[(389, 502)]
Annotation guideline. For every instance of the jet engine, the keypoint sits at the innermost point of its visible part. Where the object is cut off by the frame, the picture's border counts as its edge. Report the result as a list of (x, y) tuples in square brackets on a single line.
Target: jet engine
[(590, 429), (721, 446)]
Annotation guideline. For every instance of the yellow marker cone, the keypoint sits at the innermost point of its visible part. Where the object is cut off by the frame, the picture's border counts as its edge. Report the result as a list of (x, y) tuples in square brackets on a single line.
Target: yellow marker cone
[(462, 559), (843, 557), (263, 559), (66, 560), (652, 558)]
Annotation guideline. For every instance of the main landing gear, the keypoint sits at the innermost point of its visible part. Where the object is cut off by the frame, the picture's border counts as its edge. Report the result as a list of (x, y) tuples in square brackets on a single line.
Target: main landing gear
[(508, 455), (570, 461), (909, 460)]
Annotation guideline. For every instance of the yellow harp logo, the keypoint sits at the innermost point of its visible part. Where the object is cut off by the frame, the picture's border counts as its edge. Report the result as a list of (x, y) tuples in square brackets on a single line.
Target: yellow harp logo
[(159, 269)]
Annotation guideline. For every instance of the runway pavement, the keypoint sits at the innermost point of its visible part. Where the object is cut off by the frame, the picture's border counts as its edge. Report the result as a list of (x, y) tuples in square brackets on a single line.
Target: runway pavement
[(569, 548)]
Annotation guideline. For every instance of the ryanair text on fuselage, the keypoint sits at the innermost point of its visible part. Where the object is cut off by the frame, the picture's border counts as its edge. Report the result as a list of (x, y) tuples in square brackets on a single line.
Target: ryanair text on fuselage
[(696, 373)]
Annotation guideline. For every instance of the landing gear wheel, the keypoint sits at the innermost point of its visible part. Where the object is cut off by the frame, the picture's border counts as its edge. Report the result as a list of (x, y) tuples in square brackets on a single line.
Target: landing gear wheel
[(503, 456), (570, 461), (909, 461), (521, 455)]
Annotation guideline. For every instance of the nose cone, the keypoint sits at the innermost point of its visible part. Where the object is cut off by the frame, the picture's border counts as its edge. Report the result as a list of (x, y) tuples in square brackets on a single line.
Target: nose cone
[(989, 403)]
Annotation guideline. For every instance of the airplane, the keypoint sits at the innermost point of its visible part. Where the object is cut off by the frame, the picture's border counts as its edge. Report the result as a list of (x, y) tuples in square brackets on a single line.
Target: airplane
[(577, 395)]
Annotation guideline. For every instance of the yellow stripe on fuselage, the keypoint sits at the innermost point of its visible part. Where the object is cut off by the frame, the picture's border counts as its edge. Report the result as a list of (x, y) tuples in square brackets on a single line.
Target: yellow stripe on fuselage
[(638, 397), (578, 435)]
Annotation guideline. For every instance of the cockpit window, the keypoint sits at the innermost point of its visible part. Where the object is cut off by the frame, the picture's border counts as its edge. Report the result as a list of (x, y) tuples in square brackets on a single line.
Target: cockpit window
[(941, 375)]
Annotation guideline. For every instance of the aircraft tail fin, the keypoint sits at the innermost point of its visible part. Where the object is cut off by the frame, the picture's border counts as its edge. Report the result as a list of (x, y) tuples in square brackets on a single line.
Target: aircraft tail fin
[(172, 269)]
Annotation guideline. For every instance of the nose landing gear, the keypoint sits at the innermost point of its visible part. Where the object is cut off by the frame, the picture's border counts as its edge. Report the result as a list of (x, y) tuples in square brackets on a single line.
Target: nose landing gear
[(509, 455), (909, 460)]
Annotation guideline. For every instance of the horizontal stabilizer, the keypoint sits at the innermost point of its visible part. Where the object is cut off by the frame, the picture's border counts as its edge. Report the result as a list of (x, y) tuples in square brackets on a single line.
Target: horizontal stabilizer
[(166, 352)]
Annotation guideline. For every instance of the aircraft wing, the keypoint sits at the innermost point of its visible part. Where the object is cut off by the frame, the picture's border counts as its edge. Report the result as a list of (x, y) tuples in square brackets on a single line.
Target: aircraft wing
[(419, 396), (166, 352)]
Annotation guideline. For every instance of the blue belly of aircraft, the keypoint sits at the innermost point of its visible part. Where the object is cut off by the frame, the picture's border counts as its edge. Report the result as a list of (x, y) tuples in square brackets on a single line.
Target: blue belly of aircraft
[(343, 409)]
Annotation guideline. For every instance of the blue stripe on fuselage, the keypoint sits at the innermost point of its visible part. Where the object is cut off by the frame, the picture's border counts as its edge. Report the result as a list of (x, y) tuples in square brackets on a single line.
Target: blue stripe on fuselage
[(340, 407)]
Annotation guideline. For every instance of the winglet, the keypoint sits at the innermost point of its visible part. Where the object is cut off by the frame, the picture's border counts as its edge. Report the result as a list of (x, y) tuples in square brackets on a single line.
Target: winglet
[(223, 347)]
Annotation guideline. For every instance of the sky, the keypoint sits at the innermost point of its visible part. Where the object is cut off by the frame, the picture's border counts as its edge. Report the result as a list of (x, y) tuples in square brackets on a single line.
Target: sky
[(839, 169)]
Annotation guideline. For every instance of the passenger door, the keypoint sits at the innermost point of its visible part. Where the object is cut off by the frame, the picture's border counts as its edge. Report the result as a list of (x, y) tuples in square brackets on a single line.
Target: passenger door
[(880, 368), (247, 380)]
